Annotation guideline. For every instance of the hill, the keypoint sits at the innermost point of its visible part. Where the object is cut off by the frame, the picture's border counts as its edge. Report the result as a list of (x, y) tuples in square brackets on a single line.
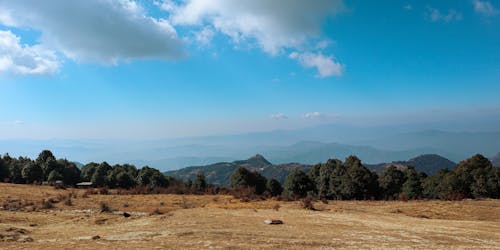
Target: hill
[(427, 163), (220, 173)]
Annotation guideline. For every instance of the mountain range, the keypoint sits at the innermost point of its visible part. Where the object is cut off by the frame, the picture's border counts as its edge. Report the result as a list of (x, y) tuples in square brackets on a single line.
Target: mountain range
[(220, 173), (311, 145)]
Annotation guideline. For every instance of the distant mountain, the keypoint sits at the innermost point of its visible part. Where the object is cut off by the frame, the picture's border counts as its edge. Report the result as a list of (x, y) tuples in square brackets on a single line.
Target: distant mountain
[(495, 160), (220, 173), (312, 152), (427, 163)]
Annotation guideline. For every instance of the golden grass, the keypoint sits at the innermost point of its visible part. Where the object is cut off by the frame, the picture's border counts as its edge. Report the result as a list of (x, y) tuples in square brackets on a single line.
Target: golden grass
[(207, 221)]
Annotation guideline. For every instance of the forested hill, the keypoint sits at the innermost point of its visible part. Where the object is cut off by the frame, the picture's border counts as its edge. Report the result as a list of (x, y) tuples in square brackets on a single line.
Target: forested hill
[(220, 173), (427, 163)]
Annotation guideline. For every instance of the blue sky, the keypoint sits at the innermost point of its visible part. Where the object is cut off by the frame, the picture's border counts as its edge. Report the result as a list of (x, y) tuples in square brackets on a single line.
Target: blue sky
[(159, 69)]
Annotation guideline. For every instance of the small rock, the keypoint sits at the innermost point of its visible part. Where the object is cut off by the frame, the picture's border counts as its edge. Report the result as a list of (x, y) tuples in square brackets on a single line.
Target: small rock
[(96, 237), (126, 215)]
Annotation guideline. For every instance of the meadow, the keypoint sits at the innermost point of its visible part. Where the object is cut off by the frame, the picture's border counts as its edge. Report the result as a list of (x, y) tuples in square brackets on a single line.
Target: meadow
[(41, 217)]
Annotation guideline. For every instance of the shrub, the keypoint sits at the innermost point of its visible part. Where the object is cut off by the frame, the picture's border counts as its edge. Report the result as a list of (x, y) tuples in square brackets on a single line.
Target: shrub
[(68, 202), (47, 204), (307, 203), (105, 208)]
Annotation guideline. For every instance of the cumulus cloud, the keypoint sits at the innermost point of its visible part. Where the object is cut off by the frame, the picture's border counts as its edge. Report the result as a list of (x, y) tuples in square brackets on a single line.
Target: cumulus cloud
[(312, 115), (326, 65), (273, 25), (104, 31), (17, 58), (434, 15), (484, 8), (279, 116)]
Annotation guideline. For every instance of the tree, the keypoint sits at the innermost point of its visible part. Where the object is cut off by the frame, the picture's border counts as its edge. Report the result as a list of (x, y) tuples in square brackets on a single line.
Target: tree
[(32, 172), (88, 171), (70, 172), (15, 172), (412, 187), (322, 175), (391, 181), (4, 170), (124, 180), (152, 177), (54, 176), (101, 172), (274, 187), (241, 177), (200, 184), (298, 184), (470, 174), (431, 185), (358, 182)]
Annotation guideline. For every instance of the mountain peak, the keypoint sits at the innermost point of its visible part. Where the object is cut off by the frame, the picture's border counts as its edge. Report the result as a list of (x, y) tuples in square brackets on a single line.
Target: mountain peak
[(259, 158)]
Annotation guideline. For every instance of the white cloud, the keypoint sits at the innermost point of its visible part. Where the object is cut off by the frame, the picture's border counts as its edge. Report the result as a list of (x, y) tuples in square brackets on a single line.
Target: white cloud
[(105, 31), (204, 36), (22, 59), (326, 65), (484, 8), (312, 115), (279, 116), (274, 25), (434, 15), (408, 7)]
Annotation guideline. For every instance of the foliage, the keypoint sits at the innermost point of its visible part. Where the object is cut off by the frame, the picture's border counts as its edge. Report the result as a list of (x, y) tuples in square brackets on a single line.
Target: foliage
[(391, 182), (412, 187), (243, 178), (298, 184), (200, 184), (32, 172), (274, 187)]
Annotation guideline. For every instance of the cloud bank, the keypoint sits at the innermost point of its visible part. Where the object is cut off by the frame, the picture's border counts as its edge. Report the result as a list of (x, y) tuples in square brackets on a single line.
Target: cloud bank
[(102, 31), (273, 26)]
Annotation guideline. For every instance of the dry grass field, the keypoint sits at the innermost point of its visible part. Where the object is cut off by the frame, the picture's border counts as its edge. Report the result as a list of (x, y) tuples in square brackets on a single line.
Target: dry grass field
[(223, 222)]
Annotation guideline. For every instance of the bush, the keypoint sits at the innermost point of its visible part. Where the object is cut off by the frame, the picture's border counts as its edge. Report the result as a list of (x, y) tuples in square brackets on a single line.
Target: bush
[(47, 204), (307, 203), (68, 202), (105, 208)]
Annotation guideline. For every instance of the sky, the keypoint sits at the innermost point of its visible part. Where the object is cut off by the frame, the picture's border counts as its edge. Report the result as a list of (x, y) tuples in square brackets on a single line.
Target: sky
[(149, 69)]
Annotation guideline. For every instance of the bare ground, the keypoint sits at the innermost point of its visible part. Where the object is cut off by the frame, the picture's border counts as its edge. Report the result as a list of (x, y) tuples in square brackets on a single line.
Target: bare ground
[(202, 222)]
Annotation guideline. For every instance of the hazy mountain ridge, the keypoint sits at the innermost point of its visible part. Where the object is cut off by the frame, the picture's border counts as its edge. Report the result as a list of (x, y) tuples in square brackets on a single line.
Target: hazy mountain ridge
[(427, 163), (307, 145)]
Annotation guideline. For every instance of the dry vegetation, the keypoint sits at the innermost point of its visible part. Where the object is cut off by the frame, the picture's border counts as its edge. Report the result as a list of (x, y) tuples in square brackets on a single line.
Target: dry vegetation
[(42, 217)]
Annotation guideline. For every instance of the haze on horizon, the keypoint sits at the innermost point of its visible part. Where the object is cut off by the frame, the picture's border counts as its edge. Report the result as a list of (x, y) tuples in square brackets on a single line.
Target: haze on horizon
[(165, 69)]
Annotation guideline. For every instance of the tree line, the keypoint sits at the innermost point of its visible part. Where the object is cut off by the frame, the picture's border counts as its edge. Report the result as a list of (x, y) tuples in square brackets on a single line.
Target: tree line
[(335, 180)]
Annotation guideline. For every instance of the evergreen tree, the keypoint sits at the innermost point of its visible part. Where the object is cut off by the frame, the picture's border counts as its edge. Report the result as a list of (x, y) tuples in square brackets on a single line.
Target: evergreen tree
[(391, 182), (412, 187), (200, 184), (274, 187), (54, 176), (298, 184), (32, 172)]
